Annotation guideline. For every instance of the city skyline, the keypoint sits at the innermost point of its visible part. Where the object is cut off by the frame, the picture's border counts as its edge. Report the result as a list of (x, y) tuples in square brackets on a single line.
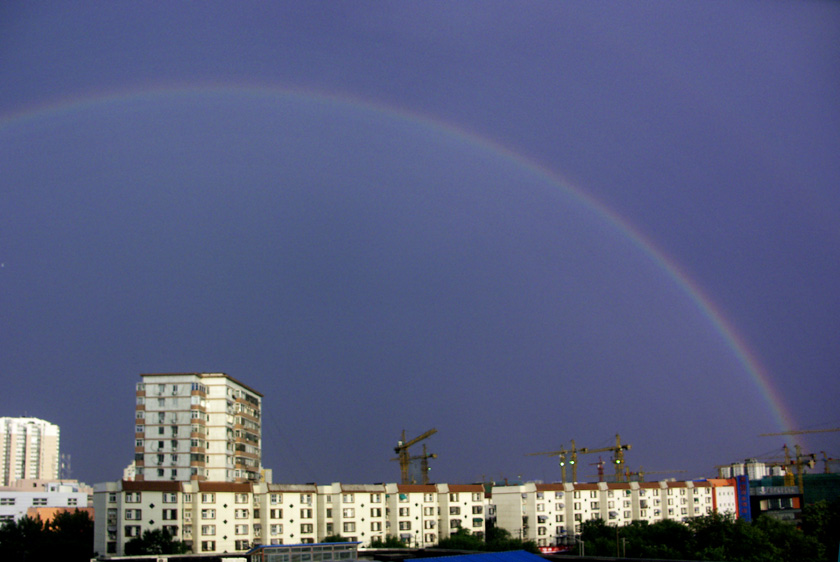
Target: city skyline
[(517, 226)]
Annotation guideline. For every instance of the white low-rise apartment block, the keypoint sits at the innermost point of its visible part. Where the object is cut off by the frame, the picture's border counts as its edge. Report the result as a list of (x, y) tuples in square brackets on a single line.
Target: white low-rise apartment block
[(357, 512), (552, 514), (218, 517), (29, 497)]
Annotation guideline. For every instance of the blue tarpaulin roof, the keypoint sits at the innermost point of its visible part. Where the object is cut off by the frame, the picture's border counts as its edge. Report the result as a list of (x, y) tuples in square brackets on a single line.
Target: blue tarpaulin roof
[(509, 556)]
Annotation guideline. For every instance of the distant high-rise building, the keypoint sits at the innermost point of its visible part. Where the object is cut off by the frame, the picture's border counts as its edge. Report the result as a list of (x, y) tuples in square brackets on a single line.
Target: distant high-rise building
[(197, 426), (28, 450)]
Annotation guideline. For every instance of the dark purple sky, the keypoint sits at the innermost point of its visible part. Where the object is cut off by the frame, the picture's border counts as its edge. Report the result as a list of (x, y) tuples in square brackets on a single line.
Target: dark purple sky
[(282, 193)]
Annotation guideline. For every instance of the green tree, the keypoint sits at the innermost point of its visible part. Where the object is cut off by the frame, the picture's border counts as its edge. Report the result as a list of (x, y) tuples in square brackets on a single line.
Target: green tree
[(71, 535), (155, 541), (24, 540), (462, 539), (389, 542), (821, 521), (334, 538)]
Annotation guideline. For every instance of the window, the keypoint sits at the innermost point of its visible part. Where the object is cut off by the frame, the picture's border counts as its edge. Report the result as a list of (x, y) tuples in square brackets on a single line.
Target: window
[(306, 499), (276, 529), (455, 523), (477, 509), (430, 537), (404, 512), (208, 530), (348, 512), (7, 501), (187, 498), (595, 505), (241, 529), (428, 498), (455, 510), (405, 525), (558, 518), (242, 513), (306, 514), (208, 513), (275, 499), (241, 498), (170, 514), (349, 527), (208, 546), (132, 531), (112, 497), (134, 514), (132, 497), (558, 495), (275, 514), (375, 498), (242, 545), (347, 498), (429, 511), (541, 530), (540, 507), (376, 525), (429, 524), (453, 496), (306, 528), (208, 498), (376, 512), (478, 522), (577, 506)]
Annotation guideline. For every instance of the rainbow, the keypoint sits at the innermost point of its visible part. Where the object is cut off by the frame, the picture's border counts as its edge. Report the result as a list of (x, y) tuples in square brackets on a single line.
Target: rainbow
[(735, 342)]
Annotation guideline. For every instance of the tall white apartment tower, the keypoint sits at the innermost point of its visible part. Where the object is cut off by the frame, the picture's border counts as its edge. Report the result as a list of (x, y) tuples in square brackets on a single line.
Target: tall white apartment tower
[(197, 426), (28, 449)]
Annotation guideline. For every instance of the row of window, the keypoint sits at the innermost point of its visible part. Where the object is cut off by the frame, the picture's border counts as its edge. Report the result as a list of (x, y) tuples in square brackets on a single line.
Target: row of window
[(36, 501)]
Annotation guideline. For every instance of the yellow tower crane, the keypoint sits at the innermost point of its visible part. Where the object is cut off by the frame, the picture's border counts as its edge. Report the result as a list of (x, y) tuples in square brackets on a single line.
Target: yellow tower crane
[(801, 461), (570, 456), (424, 465), (827, 461), (566, 456), (618, 455), (405, 458)]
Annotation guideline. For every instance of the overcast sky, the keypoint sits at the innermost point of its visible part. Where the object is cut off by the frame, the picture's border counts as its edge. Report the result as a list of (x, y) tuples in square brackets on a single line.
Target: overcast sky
[(520, 223)]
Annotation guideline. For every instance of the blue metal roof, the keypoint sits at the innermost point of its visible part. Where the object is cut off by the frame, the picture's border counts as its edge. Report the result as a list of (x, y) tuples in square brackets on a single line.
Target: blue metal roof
[(508, 556)]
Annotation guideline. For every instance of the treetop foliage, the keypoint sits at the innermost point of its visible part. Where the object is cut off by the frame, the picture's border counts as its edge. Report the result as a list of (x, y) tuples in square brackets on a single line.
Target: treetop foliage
[(719, 537), (67, 537)]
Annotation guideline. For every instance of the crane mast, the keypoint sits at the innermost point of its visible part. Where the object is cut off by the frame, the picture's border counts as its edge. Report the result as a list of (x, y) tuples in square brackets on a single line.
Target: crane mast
[(405, 458)]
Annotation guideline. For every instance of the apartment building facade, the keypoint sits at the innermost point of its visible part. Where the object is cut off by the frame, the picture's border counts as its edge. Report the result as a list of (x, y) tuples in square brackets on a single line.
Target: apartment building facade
[(196, 426), (218, 517), (28, 450), (36, 497), (552, 514)]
